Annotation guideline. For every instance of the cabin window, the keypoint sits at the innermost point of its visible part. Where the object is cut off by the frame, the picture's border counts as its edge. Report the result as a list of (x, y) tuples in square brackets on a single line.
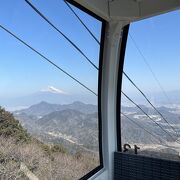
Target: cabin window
[(49, 74), (150, 93)]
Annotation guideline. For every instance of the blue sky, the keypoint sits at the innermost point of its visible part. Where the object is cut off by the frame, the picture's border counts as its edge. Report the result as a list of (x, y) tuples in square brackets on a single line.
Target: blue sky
[(22, 72), (158, 38)]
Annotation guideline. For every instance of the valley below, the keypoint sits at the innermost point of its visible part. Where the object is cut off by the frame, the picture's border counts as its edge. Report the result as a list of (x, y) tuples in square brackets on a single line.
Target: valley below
[(76, 127)]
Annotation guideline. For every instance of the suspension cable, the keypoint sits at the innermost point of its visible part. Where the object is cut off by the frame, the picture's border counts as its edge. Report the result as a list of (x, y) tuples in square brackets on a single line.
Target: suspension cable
[(149, 116), (137, 124), (47, 59), (132, 82), (149, 67), (60, 32), (81, 21)]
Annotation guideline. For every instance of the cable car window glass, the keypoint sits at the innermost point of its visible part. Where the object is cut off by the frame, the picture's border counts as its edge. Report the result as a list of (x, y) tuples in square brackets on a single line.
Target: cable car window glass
[(49, 125), (150, 95)]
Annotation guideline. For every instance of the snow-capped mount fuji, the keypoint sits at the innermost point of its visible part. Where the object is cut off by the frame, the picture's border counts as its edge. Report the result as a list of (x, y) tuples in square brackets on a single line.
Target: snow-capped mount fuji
[(50, 95)]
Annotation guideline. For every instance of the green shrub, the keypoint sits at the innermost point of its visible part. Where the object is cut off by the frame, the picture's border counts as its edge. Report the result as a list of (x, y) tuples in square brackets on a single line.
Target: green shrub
[(58, 148), (9, 126)]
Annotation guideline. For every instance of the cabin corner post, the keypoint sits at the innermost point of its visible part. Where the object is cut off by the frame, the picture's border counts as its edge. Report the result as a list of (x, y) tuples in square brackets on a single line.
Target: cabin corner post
[(112, 45)]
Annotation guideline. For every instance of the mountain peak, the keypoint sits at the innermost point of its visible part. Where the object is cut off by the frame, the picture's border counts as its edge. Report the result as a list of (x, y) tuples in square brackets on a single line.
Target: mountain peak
[(44, 107), (52, 89), (78, 103), (43, 102)]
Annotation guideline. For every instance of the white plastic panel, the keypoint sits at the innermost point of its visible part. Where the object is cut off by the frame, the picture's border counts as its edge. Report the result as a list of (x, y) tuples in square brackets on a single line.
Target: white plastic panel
[(129, 10)]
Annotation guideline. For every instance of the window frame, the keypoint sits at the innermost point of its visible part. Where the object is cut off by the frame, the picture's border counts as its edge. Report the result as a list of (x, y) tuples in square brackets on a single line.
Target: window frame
[(98, 168), (119, 85)]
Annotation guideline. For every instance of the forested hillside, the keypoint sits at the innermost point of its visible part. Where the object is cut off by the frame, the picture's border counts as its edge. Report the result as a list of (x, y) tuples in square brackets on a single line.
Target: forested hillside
[(24, 157)]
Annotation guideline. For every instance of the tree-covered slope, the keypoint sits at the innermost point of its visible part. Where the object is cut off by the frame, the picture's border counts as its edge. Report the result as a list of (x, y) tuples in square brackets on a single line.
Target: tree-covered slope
[(9, 126)]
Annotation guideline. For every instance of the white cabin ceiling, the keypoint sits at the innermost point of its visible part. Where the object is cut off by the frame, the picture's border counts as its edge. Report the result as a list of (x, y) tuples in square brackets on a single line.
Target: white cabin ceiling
[(129, 10)]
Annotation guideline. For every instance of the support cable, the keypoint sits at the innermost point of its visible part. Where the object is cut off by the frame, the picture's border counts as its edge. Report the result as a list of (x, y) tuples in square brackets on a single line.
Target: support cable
[(60, 32), (80, 20), (47, 59), (150, 117), (137, 124), (153, 135), (148, 65), (132, 82)]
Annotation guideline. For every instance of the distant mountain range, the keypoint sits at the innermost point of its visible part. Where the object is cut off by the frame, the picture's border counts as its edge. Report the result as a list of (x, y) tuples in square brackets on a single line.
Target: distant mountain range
[(51, 97), (44, 108), (55, 96), (157, 98), (171, 114), (76, 124)]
